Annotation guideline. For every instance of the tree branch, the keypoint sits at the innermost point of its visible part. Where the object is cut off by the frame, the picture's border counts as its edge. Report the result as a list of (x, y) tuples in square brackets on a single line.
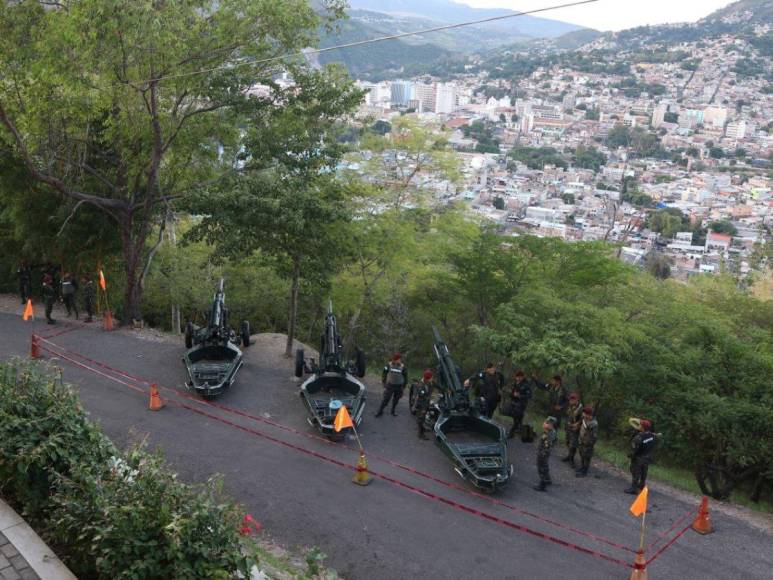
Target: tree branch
[(58, 184), (69, 217)]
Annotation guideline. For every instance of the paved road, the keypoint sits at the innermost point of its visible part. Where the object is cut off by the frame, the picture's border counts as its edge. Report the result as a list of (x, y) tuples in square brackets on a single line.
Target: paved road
[(385, 530)]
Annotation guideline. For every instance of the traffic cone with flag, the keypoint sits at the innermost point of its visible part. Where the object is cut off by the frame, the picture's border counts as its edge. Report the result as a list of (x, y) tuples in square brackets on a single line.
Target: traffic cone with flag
[(361, 475), (28, 312), (639, 508), (702, 523), (34, 347), (156, 404)]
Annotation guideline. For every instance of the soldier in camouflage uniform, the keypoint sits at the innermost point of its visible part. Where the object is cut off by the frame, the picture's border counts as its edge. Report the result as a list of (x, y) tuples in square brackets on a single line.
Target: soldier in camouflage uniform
[(515, 399), (642, 444), (394, 377), (89, 296), (424, 389), (589, 431), (573, 422), (546, 442), (556, 395), (49, 297)]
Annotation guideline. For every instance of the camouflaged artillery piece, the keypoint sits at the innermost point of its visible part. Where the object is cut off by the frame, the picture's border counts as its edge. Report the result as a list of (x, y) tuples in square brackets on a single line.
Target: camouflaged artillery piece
[(213, 357), (333, 382), (476, 445)]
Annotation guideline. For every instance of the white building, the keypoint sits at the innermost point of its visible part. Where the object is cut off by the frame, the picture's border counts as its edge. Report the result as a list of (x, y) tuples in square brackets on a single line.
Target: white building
[(736, 130), (445, 98)]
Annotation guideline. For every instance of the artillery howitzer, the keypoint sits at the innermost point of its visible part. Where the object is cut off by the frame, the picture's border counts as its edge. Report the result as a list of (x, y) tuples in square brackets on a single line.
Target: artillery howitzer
[(213, 357), (333, 382), (476, 445)]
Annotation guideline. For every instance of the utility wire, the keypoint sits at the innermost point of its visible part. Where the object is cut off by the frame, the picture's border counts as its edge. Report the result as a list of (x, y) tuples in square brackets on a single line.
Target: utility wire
[(307, 52)]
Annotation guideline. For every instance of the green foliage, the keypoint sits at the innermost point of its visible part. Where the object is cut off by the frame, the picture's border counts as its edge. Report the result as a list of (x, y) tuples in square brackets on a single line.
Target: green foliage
[(499, 203), (671, 117), (723, 227), (589, 158), (538, 157), (108, 515), (482, 132)]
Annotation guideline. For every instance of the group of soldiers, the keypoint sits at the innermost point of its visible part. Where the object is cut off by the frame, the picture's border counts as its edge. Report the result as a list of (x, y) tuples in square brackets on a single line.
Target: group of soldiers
[(492, 391), (54, 286)]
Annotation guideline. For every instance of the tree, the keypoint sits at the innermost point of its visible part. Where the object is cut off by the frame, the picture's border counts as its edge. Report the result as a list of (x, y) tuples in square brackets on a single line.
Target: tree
[(288, 203), (589, 158), (671, 117), (112, 109), (658, 265), (723, 227), (499, 203)]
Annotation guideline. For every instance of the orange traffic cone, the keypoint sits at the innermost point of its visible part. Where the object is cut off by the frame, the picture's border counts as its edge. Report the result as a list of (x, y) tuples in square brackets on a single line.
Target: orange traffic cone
[(702, 523), (639, 567), (156, 403), (361, 475), (107, 320), (34, 347), (28, 311)]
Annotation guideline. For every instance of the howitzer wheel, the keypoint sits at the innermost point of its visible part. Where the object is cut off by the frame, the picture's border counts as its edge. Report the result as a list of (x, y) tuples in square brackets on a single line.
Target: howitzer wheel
[(189, 335), (300, 362), (245, 333), (360, 363)]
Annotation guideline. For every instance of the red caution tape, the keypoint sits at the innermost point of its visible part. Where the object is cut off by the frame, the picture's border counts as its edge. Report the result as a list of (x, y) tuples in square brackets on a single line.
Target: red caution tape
[(668, 544), (396, 482), (390, 462)]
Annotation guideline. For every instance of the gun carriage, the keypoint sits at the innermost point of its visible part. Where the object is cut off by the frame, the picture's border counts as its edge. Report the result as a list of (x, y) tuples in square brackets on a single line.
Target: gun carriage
[(333, 381), (475, 445), (213, 357)]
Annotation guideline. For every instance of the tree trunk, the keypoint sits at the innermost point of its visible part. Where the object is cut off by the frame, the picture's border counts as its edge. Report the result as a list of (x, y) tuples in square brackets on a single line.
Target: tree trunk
[(293, 318), (133, 290)]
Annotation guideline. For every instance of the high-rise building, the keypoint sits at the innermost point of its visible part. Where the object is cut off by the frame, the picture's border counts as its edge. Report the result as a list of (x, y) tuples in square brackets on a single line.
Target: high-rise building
[(569, 101), (426, 94), (659, 114), (445, 98), (402, 93), (736, 130)]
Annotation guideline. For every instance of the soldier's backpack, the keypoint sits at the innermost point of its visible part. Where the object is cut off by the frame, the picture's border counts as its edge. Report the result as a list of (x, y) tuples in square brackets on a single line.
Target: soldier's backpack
[(527, 433), (395, 375)]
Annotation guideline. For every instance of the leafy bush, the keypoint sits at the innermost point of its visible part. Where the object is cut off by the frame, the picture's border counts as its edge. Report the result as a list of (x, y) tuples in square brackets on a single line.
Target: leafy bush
[(108, 516)]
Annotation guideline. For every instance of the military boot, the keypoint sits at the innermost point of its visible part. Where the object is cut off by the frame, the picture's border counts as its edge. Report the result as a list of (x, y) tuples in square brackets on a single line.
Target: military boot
[(632, 490), (582, 472), (541, 486), (394, 406)]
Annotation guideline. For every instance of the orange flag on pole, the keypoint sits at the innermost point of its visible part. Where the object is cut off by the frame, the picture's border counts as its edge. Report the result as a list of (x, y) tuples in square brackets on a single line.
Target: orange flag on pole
[(639, 505), (102, 281), (342, 420), (28, 313)]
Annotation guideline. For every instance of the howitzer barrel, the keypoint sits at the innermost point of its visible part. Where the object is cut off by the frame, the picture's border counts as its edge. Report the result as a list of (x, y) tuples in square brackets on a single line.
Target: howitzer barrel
[(218, 305), (448, 376)]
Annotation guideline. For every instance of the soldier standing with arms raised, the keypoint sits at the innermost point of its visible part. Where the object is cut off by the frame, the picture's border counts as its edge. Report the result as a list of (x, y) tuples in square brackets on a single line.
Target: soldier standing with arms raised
[(589, 432), (642, 445), (557, 397), (394, 377)]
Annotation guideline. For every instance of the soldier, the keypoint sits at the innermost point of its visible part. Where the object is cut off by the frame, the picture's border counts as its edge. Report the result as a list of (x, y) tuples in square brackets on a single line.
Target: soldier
[(89, 295), (487, 384), (573, 423), (557, 396), (589, 431), (642, 445), (515, 399), (49, 297), (69, 289), (424, 389), (546, 442), (25, 281), (394, 377)]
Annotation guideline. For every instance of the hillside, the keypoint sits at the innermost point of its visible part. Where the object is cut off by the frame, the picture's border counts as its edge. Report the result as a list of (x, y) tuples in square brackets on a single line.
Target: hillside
[(371, 19)]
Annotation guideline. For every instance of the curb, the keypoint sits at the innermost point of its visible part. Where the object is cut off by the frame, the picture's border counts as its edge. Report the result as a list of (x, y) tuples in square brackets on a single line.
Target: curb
[(29, 545)]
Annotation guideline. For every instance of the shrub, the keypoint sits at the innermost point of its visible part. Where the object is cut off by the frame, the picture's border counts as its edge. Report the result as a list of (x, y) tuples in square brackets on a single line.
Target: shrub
[(108, 515)]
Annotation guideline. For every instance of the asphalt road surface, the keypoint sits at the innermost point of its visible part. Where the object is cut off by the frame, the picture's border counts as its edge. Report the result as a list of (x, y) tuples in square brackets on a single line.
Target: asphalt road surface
[(404, 525)]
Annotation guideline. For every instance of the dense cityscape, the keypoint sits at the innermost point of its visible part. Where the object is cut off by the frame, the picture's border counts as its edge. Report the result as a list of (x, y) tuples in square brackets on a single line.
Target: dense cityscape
[(667, 154)]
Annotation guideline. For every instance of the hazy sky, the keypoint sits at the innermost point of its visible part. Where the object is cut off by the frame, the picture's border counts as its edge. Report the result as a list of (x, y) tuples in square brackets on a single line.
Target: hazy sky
[(613, 14)]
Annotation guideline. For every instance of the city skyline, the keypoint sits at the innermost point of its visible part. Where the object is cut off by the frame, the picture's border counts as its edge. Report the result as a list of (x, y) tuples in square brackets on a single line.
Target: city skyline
[(613, 14)]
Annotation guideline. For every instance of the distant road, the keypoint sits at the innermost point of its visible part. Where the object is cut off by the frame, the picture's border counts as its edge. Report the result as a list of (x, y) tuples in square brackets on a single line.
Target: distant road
[(409, 527)]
